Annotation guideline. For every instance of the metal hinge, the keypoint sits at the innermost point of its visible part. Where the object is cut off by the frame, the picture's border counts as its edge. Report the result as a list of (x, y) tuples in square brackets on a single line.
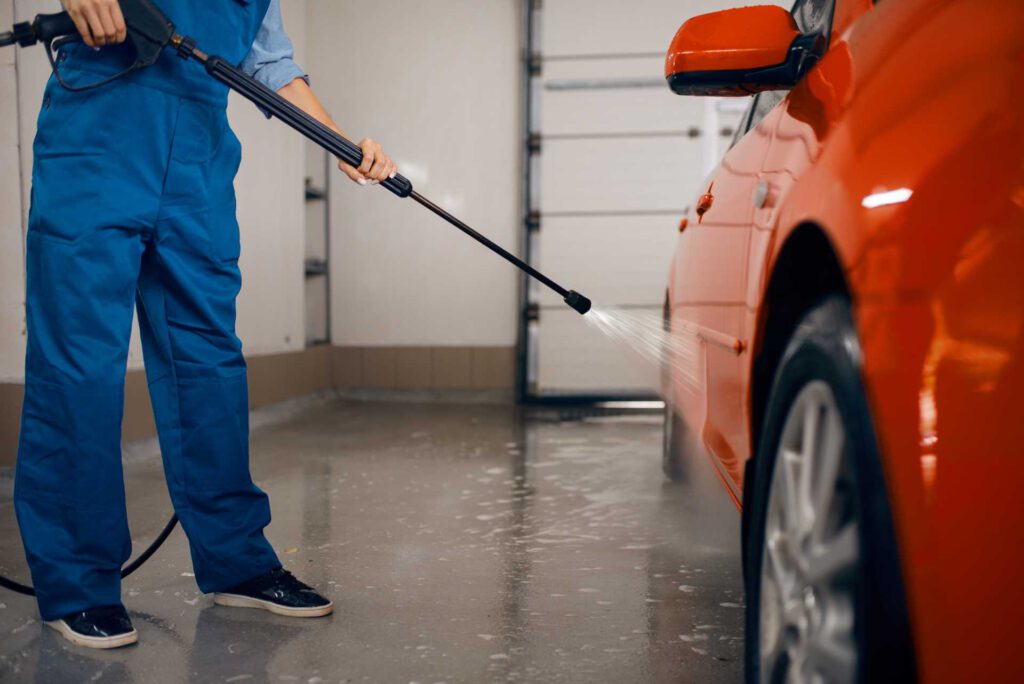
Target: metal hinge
[(535, 64), (533, 221), (533, 312), (533, 143)]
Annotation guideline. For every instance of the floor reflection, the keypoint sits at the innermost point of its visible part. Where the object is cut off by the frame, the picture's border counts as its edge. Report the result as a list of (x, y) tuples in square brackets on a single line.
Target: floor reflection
[(515, 619), (236, 645), (58, 663), (460, 544)]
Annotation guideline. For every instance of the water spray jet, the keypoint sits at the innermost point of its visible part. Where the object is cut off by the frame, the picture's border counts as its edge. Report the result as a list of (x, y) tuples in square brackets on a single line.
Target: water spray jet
[(674, 350)]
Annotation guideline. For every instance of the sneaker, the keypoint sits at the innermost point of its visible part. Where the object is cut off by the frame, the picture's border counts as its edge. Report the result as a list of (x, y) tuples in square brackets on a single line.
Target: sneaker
[(105, 627), (279, 592)]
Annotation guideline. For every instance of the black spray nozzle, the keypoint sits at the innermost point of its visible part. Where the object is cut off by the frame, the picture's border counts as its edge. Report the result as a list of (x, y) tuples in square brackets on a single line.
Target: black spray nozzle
[(578, 302)]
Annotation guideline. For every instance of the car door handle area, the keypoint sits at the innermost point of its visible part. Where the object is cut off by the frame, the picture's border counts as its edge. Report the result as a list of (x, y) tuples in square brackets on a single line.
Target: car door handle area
[(705, 203), (764, 195)]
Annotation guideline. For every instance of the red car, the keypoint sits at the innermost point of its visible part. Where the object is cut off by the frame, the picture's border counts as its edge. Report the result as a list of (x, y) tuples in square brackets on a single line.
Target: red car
[(847, 304)]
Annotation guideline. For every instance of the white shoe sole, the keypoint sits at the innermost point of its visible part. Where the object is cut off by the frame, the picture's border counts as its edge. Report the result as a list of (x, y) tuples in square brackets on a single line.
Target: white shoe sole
[(238, 601), (92, 642)]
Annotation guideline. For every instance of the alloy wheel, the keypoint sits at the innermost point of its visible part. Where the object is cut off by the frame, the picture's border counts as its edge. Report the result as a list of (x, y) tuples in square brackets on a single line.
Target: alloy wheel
[(811, 553)]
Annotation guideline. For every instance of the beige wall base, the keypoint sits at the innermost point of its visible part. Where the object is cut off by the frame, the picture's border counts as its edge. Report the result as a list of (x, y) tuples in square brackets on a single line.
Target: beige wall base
[(10, 421), (477, 368), (279, 377)]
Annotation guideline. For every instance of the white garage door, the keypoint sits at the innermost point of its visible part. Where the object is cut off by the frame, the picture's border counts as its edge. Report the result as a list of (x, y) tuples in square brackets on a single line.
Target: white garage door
[(617, 157)]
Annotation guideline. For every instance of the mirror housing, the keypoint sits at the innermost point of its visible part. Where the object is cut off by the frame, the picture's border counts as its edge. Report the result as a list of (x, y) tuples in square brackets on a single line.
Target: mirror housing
[(738, 52)]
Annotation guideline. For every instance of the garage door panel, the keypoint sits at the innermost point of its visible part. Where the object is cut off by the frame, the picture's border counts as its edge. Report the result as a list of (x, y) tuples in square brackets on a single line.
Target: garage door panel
[(649, 68), (575, 356), (614, 260), (619, 175), (583, 107), (583, 27), (615, 170)]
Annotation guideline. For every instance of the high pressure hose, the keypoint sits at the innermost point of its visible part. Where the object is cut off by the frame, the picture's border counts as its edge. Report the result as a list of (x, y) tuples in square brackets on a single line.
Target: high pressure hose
[(125, 571)]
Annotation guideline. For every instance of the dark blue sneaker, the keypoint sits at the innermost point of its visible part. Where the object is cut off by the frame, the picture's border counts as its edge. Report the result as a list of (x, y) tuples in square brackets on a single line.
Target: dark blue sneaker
[(279, 592), (104, 627)]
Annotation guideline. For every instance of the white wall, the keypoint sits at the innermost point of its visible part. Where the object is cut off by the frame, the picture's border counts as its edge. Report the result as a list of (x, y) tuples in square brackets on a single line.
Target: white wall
[(438, 84), (270, 195), (271, 213)]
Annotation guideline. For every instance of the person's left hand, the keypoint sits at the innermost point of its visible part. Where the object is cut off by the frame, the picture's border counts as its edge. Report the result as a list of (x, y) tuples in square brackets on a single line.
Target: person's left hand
[(375, 168)]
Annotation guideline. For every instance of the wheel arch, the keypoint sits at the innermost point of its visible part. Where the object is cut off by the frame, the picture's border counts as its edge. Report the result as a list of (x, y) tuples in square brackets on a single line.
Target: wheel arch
[(807, 268)]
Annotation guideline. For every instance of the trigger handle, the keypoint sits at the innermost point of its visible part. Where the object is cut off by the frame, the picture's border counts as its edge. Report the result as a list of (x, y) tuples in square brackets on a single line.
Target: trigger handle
[(48, 27)]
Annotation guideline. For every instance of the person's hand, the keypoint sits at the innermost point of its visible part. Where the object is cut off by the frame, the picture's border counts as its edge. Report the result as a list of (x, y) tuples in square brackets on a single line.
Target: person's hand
[(98, 21), (375, 168)]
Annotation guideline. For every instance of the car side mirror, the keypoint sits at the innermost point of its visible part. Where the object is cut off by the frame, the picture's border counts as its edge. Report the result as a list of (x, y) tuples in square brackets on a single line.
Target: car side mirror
[(739, 52)]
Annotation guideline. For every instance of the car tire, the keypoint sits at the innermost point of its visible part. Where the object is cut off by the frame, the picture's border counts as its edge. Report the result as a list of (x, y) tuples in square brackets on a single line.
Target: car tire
[(673, 463), (825, 598)]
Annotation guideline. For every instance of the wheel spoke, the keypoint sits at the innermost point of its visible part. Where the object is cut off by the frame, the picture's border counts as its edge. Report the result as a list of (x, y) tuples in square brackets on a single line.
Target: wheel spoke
[(811, 546), (794, 673), (835, 659), (781, 573), (828, 460), (772, 623), (834, 556), (790, 499), (809, 448)]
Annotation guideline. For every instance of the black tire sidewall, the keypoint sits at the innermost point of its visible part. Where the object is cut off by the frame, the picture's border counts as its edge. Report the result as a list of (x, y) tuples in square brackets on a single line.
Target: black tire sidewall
[(673, 445), (675, 432), (824, 347)]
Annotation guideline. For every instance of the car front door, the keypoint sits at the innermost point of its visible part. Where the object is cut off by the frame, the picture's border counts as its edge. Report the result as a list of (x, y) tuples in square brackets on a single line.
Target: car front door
[(717, 288), (711, 287)]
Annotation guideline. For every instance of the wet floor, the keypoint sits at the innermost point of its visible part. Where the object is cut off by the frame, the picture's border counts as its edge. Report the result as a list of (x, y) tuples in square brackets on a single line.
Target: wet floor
[(459, 543)]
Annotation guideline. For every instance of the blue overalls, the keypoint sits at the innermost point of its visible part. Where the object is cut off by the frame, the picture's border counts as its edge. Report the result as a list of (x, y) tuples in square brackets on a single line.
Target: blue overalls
[(133, 203)]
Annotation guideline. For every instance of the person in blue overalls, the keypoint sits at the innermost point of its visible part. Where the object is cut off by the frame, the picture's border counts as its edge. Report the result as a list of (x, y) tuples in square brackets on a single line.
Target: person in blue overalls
[(133, 207)]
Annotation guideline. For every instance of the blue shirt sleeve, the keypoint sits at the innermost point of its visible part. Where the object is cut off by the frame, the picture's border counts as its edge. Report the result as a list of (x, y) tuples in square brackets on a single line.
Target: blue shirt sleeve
[(271, 59)]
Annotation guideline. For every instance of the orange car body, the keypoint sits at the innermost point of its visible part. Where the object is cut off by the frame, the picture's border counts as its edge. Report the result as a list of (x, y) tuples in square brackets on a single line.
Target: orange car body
[(904, 149)]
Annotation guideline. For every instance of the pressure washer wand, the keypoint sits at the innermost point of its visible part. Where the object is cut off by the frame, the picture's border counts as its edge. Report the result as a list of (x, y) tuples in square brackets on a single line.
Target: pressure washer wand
[(272, 103), (571, 297), (149, 31)]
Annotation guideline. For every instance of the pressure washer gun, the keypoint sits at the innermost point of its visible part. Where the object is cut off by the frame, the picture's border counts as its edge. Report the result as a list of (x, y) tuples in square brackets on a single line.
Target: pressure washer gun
[(150, 32)]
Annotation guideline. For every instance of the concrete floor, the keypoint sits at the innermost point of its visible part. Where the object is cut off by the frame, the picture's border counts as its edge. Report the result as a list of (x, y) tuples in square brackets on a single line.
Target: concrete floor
[(460, 544)]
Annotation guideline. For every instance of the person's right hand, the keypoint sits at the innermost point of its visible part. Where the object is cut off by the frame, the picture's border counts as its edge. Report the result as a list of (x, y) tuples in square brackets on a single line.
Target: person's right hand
[(98, 21)]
